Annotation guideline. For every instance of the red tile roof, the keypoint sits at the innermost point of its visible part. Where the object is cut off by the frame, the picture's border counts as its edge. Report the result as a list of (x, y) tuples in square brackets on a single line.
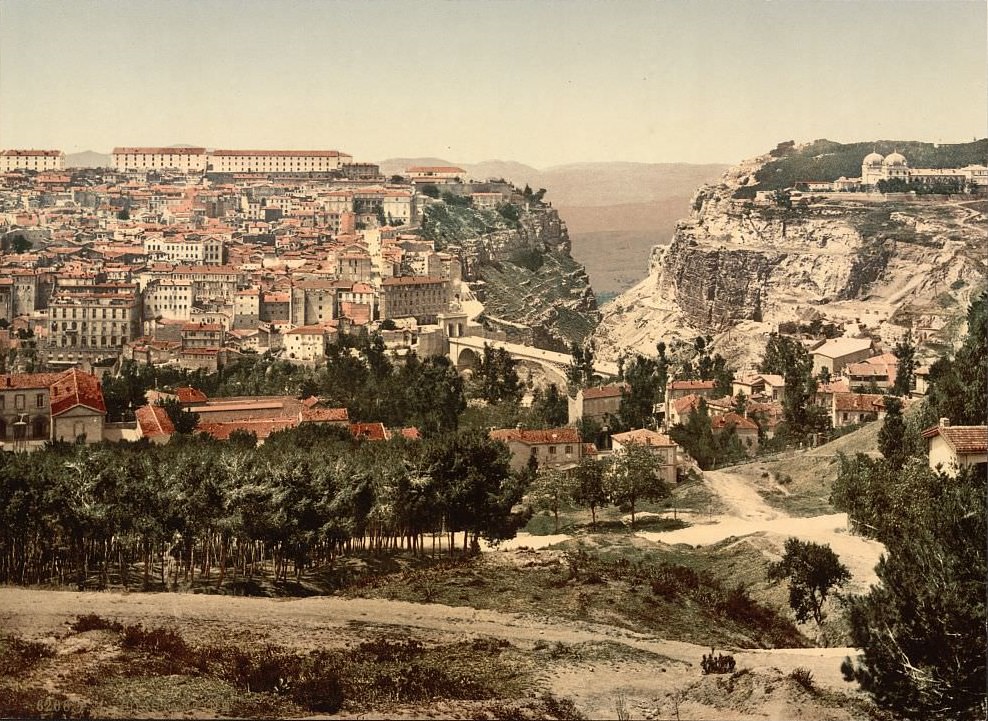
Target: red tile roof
[(325, 415), (728, 419), (369, 431), (434, 169), (261, 427), (692, 385), (611, 391), (28, 380), (154, 422), (159, 151), (412, 433), (279, 153), (412, 280), (188, 394), (74, 388), (686, 403), (963, 439), (862, 402), (644, 437)]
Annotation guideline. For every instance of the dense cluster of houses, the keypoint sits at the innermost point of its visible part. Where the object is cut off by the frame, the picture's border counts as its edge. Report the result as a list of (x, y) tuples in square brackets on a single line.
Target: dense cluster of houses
[(187, 256)]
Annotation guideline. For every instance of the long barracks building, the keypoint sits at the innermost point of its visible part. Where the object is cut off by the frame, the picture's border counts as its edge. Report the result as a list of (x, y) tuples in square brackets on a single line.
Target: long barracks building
[(199, 160)]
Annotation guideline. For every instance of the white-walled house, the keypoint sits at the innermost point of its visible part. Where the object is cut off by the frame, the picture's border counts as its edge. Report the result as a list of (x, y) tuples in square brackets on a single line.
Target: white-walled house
[(306, 343), (951, 448)]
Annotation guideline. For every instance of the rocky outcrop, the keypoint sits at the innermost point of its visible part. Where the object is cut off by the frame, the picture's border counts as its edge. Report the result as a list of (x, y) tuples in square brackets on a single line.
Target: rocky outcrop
[(531, 287), (738, 268)]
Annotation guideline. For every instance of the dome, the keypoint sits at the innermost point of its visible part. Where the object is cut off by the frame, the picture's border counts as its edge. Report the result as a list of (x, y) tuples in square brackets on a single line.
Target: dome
[(873, 159), (895, 159)]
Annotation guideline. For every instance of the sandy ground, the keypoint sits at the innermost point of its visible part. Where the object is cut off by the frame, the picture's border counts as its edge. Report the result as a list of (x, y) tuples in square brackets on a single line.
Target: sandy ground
[(664, 682)]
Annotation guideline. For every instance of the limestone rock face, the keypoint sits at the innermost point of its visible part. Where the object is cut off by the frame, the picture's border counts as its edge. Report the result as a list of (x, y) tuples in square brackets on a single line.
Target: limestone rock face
[(548, 303), (736, 268)]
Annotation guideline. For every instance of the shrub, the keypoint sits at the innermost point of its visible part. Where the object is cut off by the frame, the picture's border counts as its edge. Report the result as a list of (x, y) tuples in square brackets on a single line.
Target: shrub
[(161, 641), (804, 677), (95, 622), (18, 656)]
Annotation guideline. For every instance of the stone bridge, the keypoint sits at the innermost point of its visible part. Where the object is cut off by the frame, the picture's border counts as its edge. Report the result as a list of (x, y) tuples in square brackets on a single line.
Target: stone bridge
[(466, 352)]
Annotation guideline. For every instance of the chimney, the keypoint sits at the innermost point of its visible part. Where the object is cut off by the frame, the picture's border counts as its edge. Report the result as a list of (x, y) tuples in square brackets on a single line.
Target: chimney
[(945, 423)]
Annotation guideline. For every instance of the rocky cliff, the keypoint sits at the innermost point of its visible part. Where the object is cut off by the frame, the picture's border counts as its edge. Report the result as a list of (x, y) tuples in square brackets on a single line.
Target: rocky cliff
[(517, 262), (737, 268)]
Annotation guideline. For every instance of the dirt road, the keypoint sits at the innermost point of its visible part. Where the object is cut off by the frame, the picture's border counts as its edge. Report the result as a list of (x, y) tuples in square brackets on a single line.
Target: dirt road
[(749, 514)]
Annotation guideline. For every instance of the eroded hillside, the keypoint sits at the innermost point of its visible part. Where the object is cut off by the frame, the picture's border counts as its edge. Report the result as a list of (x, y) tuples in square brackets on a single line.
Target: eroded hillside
[(738, 267), (517, 262)]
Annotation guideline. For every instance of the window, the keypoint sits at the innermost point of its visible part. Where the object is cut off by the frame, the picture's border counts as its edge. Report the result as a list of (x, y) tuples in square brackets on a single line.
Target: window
[(569, 450), (552, 450), (19, 401), (39, 400)]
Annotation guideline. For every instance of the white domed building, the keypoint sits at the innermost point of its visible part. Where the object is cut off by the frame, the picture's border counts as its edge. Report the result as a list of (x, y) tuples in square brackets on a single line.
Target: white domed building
[(871, 169), (874, 168)]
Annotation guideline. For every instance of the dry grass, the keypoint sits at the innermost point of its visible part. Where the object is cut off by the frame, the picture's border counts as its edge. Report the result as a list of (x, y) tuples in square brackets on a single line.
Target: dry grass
[(623, 581), (799, 483)]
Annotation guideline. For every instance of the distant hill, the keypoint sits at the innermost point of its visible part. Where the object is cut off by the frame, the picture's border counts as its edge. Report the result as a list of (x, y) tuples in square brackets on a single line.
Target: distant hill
[(615, 212), (826, 160), (87, 159)]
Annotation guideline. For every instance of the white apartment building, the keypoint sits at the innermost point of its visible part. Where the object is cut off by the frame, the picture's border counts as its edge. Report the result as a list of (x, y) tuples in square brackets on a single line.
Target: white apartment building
[(31, 160), (306, 343), (86, 324), (186, 160), (168, 298), (277, 161), (397, 205), (434, 174), (190, 249)]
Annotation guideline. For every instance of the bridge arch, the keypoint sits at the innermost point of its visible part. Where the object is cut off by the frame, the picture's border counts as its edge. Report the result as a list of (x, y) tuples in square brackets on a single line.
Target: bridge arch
[(467, 360)]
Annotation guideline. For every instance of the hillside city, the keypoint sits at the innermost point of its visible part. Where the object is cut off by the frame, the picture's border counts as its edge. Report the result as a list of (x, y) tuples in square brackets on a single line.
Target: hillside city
[(282, 373)]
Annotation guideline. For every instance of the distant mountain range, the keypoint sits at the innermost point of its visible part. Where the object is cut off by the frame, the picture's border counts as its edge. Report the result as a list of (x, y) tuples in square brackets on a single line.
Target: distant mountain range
[(87, 159)]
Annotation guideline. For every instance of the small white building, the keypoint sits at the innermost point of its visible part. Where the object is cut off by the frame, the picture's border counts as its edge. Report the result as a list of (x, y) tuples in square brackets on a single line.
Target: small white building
[(954, 447), (836, 353), (306, 344)]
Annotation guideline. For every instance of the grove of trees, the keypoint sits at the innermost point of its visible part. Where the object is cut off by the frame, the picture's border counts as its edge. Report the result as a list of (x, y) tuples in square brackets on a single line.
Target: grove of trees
[(149, 516)]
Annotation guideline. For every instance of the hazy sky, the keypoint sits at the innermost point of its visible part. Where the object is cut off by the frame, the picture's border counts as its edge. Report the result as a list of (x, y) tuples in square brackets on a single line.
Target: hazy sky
[(540, 81)]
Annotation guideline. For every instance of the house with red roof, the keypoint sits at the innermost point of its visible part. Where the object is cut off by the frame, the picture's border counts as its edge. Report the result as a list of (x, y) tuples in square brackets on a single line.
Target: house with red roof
[(848, 408), (745, 428), (951, 448), (154, 424), (369, 431), (680, 389), (660, 445), (77, 407), (561, 448)]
